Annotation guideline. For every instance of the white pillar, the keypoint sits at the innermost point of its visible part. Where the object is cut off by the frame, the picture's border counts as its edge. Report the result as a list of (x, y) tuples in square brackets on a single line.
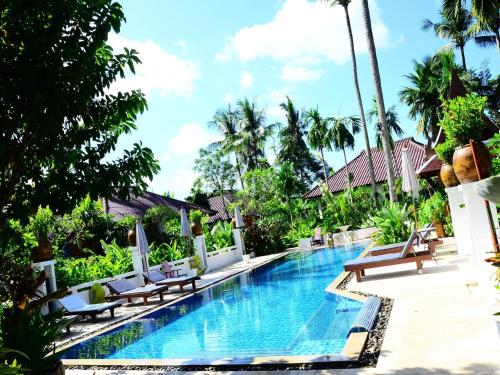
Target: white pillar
[(50, 284), (239, 242), (200, 249), (137, 264)]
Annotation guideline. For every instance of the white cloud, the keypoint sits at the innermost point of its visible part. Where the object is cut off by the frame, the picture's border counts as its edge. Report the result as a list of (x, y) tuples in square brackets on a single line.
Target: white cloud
[(246, 80), (295, 73), (228, 98), (303, 29), (160, 71), (188, 141), (274, 98), (182, 44)]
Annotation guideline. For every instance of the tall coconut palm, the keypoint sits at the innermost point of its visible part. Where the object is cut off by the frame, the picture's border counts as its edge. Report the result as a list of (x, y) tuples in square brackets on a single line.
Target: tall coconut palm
[(392, 123), (253, 133), (225, 121), (487, 16), (380, 100), (345, 5), (455, 28), (341, 135), (317, 135)]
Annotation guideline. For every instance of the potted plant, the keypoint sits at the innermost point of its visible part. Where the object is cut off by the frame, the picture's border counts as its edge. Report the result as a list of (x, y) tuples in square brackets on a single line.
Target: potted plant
[(196, 227), (41, 225), (435, 210), (463, 121), (445, 153)]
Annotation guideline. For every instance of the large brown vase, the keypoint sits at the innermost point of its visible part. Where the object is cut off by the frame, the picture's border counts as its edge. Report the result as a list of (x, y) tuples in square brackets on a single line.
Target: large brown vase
[(131, 236), (448, 175), (463, 163), (196, 228), (43, 251)]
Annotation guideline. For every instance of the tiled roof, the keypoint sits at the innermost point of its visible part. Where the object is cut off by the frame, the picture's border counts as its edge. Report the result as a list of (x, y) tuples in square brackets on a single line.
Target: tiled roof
[(137, 206), (358, 167), (429, 167), (217, 204)]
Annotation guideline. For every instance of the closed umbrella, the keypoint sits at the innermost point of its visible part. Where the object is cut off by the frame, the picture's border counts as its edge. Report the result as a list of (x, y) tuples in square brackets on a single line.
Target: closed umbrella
[(238, 219), (185, 228), (410, 183), (142, 244)]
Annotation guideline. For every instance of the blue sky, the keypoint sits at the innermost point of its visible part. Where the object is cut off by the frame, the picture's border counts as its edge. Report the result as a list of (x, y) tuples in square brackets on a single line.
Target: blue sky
[(199, 55)]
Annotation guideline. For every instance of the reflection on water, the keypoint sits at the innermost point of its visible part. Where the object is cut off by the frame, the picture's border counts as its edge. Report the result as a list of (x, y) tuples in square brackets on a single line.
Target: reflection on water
[(277, 309)]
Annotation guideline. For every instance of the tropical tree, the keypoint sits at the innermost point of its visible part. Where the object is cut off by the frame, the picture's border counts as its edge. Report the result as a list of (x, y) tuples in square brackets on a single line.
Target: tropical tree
[(341, 135), (252, 136), (293, 148), (59, 120), (392, 123), (216, 172), (317, 135), (380, 100), (345, 5), (455, 28), (429, 85), (225, 121), (487, 16)]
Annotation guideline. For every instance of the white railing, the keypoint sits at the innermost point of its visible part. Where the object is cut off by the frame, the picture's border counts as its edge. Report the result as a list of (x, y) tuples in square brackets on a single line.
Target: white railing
[(223, 257)]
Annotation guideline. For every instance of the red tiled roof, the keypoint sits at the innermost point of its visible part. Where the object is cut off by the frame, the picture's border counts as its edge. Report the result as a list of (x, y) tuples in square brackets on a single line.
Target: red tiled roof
[(216, 204), (358, 167), (137, 206), (429, 167)]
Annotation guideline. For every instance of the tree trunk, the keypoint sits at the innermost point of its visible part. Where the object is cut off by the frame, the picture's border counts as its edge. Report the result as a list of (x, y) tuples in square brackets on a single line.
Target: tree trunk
[(462, 53), (380, 101), (371, 171), (348, 181), (324, 165), (238, 169)]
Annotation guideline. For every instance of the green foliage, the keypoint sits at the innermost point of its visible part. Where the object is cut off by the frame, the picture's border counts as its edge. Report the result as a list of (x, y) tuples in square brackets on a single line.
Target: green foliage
[(155, 219), (31, 337), (115, 261), (445, 150), (463, 118), (494, 147), (59, 124), (433, 210), (178, 249), (195, 216), (42, 223), (220, 236), (391, 224)]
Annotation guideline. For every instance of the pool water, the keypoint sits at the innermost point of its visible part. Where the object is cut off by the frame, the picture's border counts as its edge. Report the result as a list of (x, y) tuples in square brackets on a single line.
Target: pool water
[(278, 309)]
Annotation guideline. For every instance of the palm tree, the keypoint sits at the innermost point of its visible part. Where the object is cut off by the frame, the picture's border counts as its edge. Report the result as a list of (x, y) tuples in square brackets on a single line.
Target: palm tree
[(380, 100), (341, 135), (226, 122), (487, 16), (253, 133), (455, 28), (317, 135), (345, 4), (392, 123)]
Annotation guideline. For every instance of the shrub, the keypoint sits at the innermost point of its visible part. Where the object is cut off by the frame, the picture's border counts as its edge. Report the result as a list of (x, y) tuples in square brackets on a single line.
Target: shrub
[(154, 222), (433, 210), (391, 224), (494, 147), (446, 150), (42, 223), (195, 216), (220, 236), (178, 249), (463, 118)]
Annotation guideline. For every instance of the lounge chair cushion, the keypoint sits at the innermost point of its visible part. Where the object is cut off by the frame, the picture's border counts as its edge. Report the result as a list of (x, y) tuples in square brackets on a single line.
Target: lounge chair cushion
[(155, 276), (121, 286), (72, 302), (374, 259)]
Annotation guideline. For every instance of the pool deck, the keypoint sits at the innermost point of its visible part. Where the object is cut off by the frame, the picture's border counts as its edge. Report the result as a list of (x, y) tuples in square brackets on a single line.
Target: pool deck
[(441, 322)]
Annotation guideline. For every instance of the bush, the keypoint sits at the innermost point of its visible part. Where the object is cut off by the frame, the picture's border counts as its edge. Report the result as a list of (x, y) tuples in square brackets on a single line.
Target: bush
[(178, 249), (220, 236), (463, 118), (494, 147), (446, 150), (154, 223), (391, 224)]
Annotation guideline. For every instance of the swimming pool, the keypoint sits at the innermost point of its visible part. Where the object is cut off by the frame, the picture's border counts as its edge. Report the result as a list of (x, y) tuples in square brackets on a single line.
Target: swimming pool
[(278, 309)]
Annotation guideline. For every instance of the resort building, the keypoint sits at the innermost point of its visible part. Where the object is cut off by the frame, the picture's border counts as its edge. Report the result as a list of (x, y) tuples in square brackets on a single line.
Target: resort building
[(220, 205), (424, 160)]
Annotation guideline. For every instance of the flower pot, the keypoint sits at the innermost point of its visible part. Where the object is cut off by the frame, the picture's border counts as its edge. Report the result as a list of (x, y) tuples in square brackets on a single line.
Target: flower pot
[(463, 163), (132, 240), (439, 229), (196, 228), (43, 251), (448, 175)]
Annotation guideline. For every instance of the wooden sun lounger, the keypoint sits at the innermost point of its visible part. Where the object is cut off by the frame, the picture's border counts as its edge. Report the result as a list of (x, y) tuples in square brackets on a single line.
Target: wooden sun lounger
[(405, 256), (121, 289), (159, 278), (73, 304), (421, 238)]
